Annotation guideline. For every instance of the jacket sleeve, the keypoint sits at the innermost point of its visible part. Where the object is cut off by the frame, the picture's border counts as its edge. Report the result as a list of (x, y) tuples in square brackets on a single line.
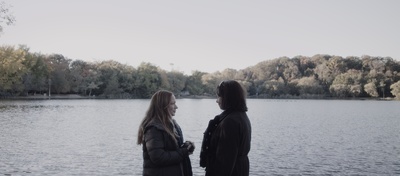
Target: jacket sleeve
[(155, 144), (227, 148)]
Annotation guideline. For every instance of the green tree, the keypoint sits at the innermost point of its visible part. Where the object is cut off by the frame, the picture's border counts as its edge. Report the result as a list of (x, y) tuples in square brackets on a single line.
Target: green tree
[(177, 81), (147, 80), (194, 84), (91, 87), (353, 62), (12, 69), (80, 71), (126, 80), (60, 73), (113, 89), (210, 82), (92, 81), (108, 74), (165, 80), (35, 79)]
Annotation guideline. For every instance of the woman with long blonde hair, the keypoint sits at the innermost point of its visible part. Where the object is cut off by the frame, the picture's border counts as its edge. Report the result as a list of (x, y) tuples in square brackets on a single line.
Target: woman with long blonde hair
[(164, 152)]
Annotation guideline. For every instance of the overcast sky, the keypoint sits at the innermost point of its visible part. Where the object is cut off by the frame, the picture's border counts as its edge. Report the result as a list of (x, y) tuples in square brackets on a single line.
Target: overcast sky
[(204, 35)]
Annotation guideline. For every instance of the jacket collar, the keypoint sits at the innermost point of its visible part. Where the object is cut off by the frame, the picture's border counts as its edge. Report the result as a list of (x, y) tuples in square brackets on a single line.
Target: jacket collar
[(222, 116)]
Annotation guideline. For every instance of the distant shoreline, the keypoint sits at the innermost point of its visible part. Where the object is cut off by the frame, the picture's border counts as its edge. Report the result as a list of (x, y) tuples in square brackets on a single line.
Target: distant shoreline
[(45, 97), (76, 96)]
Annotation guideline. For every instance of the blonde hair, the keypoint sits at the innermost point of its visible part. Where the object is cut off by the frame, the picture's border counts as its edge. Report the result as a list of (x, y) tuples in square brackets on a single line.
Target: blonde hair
[(158, 111)]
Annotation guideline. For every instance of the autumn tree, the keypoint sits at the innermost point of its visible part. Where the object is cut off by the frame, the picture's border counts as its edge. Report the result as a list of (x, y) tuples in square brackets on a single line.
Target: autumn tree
[(328, 69), (347, 84), (309, 86), (371, 89), (12, 70), (396, 89)]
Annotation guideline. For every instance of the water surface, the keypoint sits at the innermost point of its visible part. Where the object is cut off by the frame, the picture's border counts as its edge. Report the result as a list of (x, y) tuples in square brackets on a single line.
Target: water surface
[(290, 137)]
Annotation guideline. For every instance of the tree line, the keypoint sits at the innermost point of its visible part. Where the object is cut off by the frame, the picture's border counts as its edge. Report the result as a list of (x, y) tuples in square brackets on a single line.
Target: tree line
[(24, 73)]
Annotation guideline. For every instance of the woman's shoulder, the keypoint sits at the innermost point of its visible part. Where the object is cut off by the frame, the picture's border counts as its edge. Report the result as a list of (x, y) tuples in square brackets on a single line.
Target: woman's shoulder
[(237, 114), (236, 117), (154, 124)]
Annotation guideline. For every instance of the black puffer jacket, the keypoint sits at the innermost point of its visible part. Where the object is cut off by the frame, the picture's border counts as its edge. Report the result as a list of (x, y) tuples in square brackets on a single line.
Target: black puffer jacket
[(226, 145), (161, 154)]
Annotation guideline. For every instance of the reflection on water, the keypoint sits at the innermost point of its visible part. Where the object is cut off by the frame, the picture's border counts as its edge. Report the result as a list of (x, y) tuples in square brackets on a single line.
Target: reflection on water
[(299, 137)]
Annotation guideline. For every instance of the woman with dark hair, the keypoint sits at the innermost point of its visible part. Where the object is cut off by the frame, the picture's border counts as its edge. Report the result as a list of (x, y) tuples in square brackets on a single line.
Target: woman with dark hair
[(164, 152), (227, 139)]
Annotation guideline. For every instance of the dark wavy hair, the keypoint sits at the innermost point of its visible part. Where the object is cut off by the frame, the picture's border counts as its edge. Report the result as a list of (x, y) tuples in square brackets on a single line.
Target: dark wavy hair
[(233, 96)]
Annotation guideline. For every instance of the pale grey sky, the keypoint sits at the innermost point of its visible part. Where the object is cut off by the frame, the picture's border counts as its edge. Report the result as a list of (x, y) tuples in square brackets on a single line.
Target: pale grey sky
[(204, 35)]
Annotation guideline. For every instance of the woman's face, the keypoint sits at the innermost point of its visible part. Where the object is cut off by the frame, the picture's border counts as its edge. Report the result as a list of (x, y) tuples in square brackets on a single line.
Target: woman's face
[(172, 106)]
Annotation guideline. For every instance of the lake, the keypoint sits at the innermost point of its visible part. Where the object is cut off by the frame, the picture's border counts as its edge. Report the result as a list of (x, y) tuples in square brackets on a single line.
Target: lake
[(290, 137)]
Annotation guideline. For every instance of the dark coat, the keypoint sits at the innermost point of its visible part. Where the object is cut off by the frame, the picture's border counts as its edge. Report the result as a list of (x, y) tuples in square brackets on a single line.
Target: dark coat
[(228, 144), (162, 156)]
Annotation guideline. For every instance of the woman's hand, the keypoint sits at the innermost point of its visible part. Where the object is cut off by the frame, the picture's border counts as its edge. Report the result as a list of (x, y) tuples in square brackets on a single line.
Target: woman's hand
[(189, 145)]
